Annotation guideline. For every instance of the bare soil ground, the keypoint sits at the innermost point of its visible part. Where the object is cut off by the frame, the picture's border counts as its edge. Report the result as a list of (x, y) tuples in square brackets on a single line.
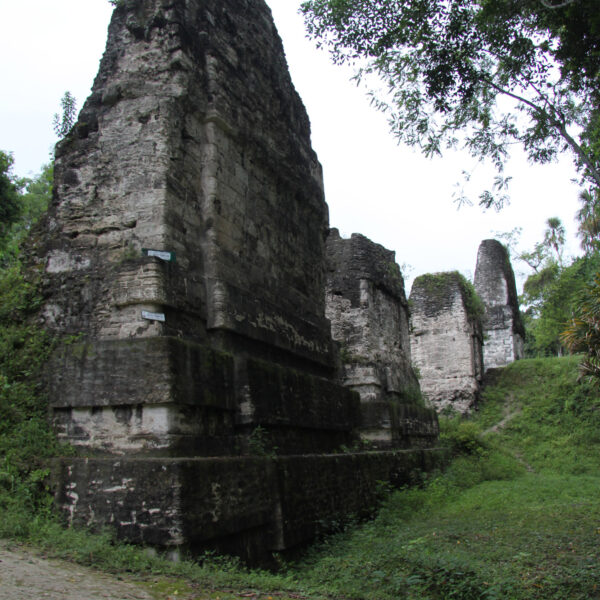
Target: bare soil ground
[(27, 576)]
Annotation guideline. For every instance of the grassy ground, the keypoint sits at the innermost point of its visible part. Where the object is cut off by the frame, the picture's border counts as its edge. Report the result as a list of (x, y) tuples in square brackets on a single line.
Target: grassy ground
[(516, 515)]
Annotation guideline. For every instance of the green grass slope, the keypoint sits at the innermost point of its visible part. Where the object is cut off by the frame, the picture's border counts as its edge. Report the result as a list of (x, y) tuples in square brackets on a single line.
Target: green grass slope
[(517, 514)]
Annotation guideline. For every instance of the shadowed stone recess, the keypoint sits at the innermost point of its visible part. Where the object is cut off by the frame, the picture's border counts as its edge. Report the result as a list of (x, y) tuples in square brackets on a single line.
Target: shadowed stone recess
[(185, 250), (502, 325), (367, 307), (446, 341)]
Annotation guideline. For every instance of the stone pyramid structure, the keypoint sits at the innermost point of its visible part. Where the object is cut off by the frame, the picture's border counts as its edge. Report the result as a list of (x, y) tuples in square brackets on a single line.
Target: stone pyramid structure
[(447, 340), (184, 259)]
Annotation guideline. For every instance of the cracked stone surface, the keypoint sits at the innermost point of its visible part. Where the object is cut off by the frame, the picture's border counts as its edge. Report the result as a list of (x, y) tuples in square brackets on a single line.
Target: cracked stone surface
[(368, 310)]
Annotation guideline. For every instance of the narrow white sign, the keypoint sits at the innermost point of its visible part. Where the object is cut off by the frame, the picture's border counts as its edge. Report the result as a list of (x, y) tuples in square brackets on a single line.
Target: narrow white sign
[(153, 316), (162, 254)]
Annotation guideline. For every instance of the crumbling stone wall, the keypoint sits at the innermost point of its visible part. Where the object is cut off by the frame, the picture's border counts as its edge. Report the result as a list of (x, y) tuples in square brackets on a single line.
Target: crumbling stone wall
[(184, 258), (502, 325), (367, 307), (446, 340)]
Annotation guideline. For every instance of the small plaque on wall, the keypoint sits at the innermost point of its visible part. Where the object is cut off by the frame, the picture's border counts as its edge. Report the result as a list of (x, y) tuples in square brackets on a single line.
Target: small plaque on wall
[(162, 254), (153, 316)]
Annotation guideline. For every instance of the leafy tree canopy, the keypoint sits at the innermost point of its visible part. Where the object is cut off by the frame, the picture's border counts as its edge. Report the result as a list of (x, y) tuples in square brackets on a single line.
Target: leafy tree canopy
[(583, 331), (31, 198), (553, 291), (555, 295), (487, 73), (588, 217), (9, 194)]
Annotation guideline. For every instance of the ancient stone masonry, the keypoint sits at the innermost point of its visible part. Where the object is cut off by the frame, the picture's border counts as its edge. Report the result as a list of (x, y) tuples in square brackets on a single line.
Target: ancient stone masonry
[(368, 311), (502, 326), (185, 261), (446, 340)]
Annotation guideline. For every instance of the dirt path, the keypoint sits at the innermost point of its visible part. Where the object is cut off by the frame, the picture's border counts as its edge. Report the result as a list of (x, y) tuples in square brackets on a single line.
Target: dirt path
[(25, 576), (508, 414)]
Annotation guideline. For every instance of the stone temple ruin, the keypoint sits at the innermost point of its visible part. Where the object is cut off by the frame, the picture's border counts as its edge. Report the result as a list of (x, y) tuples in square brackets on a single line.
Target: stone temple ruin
[(446, 340), (502, 326), (369, 317), (453, 339), (185, 264)]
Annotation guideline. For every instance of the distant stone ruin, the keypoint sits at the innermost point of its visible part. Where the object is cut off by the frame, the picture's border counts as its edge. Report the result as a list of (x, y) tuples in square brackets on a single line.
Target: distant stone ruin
[(368, 311), (502, 326), (184, 256), (446, 340)]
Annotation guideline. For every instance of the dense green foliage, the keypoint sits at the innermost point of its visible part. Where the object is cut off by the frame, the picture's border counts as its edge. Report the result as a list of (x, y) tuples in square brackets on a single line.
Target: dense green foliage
[(9, 196), (552, 296), (25, 437), (554, 290), (588, 217), (583, 332), (487, 72), (32, 200)]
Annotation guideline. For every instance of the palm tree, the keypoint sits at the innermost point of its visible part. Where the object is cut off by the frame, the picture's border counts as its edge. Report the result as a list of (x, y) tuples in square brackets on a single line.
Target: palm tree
[(554, 237)]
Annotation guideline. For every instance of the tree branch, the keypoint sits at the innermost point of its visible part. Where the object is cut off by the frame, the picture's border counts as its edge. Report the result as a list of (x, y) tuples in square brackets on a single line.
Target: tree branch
[(558, 124), (548, 3)]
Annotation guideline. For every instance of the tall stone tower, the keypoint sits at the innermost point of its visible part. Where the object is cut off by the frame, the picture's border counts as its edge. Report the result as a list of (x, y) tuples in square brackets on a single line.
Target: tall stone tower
[(189, 210), (446, 340), (185, 263), (502, 325)]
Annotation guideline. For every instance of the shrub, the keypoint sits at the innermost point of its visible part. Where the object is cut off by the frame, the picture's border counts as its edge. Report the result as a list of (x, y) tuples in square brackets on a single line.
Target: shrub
[(461, 436)]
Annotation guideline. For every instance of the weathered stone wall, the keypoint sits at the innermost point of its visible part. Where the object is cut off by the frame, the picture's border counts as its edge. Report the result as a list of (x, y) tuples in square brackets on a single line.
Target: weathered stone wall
[(502, 326), (193, 142), (185, 251), (446, 341), (242, 505), (367, 307)]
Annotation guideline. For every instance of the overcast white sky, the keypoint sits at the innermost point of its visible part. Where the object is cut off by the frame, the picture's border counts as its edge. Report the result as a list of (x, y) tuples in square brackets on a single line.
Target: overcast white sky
[(389, 193)]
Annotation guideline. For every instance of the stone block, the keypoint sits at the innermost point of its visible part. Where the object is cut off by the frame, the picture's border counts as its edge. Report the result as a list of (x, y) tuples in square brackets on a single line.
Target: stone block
[(240, 505), (159, 370)]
